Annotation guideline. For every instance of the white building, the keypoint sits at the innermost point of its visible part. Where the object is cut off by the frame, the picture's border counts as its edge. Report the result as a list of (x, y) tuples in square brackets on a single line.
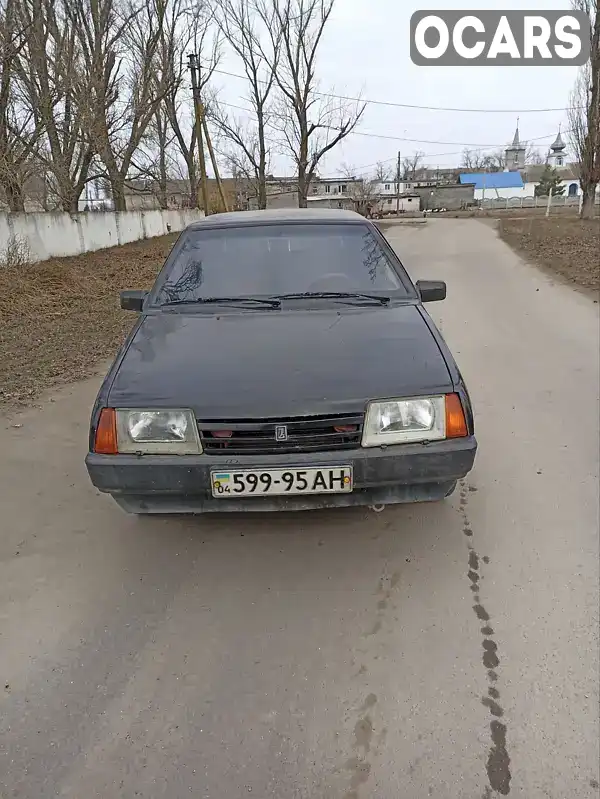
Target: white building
[(557, 158)]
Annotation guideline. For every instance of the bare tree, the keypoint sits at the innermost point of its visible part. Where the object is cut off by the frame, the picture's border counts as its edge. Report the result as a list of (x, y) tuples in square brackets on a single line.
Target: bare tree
[(584, 114), (383, 173), (155, 161), (363, 191), (533, 155), (56, 94), (495, 161), (472, 159), (168, 140), (188, 27), (476, 160), (119, 43), (411, 164), (250, 27), (312, 123), (20, 132)]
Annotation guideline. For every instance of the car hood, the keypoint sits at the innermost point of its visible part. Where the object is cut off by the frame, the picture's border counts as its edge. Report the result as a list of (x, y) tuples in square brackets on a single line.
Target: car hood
[(279, 363)]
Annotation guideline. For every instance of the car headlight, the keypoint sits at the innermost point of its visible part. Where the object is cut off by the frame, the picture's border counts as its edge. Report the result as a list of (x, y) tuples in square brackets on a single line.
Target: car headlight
[(167, 432), (401, 421)]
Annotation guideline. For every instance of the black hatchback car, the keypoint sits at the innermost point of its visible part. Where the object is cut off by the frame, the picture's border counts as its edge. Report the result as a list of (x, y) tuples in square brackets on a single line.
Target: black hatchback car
[(283, 360)]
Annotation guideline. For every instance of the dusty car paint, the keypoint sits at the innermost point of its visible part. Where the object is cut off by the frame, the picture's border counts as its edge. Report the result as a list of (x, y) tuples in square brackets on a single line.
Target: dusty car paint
[(299, 360), (279, 363)]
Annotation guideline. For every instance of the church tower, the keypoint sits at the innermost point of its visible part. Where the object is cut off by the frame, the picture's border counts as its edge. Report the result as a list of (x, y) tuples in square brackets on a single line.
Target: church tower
[(557, 156), (515, 154)]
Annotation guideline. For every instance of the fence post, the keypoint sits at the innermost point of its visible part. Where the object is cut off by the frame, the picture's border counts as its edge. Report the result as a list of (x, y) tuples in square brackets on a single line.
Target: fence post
[(580, 202), (549, 202)]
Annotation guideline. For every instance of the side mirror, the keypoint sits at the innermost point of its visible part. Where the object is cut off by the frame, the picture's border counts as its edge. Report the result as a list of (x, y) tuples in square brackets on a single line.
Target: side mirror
[(431, 290), (133, 300)]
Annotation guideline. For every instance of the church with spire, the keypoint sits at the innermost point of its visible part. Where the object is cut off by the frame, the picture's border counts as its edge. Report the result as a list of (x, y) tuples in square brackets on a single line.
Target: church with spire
[(514, 156), (518, 178), (556, 156)]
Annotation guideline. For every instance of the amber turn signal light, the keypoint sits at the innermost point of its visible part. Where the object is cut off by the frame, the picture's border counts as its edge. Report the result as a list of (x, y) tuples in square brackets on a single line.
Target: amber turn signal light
[(456, 424), (106, 433)]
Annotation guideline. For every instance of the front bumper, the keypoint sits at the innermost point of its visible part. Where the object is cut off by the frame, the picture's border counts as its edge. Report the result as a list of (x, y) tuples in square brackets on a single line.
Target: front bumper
[(181, 484)]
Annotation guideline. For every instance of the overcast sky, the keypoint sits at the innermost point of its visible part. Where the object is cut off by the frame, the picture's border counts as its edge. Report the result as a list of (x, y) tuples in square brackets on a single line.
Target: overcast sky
[(366, 51)]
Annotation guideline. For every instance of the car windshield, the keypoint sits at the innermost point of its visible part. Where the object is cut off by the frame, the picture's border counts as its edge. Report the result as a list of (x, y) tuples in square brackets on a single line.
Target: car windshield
[(275, 261)]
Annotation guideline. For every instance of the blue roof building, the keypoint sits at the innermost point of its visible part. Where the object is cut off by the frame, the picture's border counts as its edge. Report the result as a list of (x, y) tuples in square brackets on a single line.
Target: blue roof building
[(492, 180)]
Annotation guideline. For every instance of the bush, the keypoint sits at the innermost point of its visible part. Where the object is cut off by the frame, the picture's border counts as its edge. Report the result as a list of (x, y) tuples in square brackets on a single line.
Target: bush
[(16, 254)]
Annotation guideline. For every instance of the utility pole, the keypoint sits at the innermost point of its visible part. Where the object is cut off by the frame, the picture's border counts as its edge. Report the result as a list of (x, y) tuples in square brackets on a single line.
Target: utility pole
[(214, 164), (398, 176), (199, 113), (209, 145), (549, 204)]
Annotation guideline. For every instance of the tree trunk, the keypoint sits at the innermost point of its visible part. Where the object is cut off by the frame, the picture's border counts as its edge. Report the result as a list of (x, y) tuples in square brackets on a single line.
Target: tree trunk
[(117, 188), (15, 196), (262, 164), (262, 193), (161, 126), (162, 183), (303, 176), (302, 190), (193, 181), (589, 197), (67, 196)]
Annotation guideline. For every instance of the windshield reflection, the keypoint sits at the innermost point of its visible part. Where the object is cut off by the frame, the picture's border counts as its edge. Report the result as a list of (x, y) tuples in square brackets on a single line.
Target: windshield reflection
[(276, 260)]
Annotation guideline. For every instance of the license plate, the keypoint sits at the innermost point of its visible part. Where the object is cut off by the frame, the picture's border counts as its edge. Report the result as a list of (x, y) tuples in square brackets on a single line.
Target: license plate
[(281, 482)]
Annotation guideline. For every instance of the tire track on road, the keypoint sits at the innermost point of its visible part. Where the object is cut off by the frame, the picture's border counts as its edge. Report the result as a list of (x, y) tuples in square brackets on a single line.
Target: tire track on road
[(498, 762)]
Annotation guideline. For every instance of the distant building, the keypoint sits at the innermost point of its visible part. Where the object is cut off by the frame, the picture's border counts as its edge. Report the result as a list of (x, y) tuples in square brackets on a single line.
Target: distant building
[(494, 185), (514, 156), (569, 175), (406, 202), (448, 196), (557, 157), (343, 193)]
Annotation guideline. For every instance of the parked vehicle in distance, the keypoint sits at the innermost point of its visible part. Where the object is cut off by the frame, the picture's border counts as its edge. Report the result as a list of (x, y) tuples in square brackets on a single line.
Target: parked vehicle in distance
[(283, 360)]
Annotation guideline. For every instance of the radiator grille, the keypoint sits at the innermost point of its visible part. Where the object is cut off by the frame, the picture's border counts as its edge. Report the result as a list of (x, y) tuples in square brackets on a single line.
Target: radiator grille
[(272, 436)]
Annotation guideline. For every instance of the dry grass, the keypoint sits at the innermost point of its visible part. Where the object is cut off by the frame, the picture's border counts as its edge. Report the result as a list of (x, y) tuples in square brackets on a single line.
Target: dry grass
[(60, 318), (566, 246)]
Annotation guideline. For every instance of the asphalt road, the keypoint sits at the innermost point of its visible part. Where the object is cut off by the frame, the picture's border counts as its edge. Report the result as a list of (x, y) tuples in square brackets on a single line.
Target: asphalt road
[(446, 650)]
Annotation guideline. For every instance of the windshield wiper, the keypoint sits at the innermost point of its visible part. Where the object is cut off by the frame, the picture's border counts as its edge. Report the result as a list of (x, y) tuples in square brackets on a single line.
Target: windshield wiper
[(245, 301), (335, 295)]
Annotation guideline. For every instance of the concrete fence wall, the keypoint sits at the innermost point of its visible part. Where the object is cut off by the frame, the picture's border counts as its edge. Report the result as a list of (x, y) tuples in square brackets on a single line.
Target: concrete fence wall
[(533, 202), (58, 234)]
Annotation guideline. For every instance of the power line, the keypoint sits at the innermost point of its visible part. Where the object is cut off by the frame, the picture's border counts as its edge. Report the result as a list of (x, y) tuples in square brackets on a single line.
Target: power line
[(391, 104), (369, 134)]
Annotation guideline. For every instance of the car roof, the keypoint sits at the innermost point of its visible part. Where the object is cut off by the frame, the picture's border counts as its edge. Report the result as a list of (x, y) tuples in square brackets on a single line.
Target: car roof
[(277, 216)]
